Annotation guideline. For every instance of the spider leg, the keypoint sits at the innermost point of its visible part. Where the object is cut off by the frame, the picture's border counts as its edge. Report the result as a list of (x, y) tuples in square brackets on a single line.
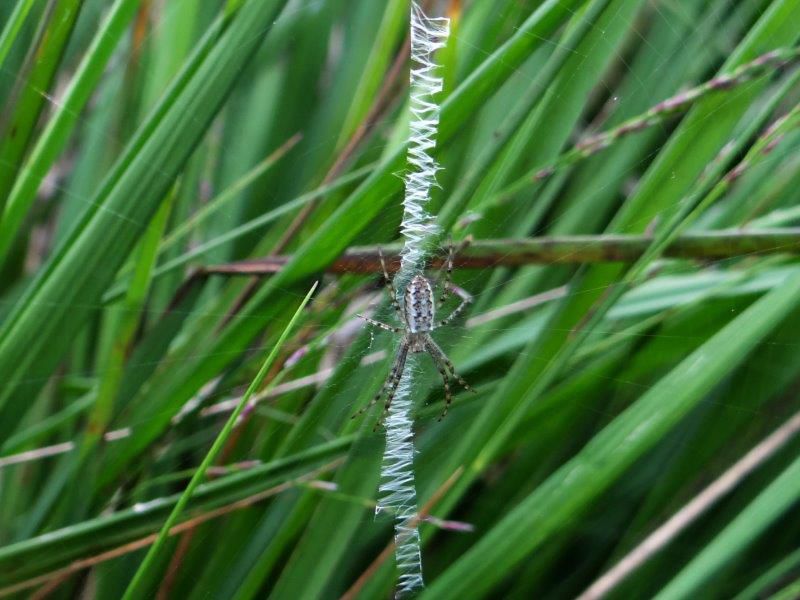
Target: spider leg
[(466, 300), (448, 395), (392, 381), (447, 270), (390, 285), (440, 357), (395, 376), (379, 324)]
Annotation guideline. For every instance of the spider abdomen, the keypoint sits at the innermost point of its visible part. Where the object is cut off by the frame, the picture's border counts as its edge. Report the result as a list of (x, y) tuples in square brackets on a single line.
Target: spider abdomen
[(419, 305)]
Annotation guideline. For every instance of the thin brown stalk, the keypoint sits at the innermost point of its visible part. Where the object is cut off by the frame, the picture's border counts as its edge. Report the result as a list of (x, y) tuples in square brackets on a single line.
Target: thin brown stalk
[(230, 445), (687, 515), (171, 574), (680, 102), (577, 249)]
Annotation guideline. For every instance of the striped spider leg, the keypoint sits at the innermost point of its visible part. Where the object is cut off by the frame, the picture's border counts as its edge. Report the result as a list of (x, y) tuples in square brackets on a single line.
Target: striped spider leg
[(446, 273), (389, 386), (444, 364), (417, 316)]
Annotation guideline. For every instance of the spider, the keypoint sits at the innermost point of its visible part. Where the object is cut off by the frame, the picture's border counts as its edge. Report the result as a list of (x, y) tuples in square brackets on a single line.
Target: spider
[(417, 317)]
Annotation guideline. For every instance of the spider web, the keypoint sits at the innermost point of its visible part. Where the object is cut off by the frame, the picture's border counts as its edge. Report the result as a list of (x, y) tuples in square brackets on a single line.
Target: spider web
[(397, 472)]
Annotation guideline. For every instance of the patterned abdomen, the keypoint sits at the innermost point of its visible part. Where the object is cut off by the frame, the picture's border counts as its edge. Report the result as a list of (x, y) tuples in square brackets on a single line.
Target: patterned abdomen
[(419, 305)]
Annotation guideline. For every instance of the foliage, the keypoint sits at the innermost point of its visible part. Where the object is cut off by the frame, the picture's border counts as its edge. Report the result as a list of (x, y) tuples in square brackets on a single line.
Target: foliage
[(151, 151)]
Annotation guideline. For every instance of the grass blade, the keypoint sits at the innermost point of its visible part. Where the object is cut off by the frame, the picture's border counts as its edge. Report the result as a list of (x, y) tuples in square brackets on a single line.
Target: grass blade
[(569, 491), (141, 580)]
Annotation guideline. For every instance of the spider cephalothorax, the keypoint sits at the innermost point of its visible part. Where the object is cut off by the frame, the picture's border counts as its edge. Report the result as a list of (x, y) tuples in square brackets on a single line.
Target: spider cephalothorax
[(418, 316)]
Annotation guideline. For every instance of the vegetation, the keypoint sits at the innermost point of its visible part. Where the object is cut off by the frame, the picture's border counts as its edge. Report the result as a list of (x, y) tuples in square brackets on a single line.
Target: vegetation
[(175, 176)]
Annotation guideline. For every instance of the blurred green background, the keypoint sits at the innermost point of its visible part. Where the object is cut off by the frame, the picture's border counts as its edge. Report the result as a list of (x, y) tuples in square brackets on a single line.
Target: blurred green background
[(149, 146)]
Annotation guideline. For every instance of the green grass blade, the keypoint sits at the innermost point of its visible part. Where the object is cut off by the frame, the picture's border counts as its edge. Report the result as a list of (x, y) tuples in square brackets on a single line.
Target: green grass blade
[(87, 262), (141, 581), (17, 128), (37, 556), (568, 492), (776, 498), (55, 136), (12, 27), (594, 290)]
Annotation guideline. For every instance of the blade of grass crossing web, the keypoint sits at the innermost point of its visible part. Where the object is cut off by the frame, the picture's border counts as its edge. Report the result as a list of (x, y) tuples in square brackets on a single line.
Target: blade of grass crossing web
[(145, 574)]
